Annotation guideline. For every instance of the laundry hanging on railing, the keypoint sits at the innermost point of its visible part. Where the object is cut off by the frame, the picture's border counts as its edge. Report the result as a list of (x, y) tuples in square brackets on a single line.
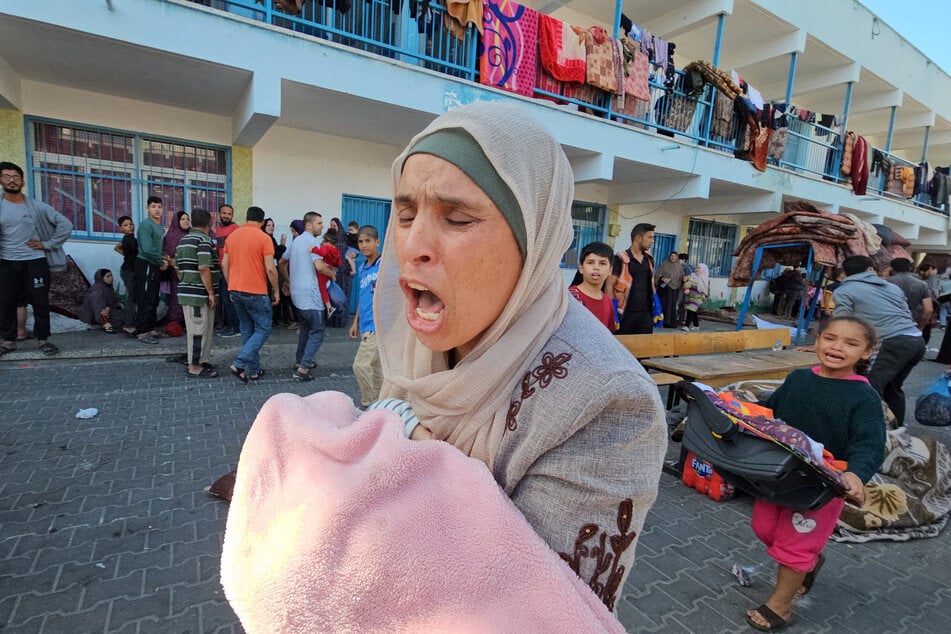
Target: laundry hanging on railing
[(601, 62), (859, 168), (922, 176), (561, 49), (460, 14), (779, 122), (636, 71), (939, 187), (509, 47)]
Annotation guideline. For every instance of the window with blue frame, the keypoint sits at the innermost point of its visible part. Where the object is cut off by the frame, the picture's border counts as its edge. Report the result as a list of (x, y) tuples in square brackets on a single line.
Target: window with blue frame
[(712, 243), (587, 220), (93, 176)]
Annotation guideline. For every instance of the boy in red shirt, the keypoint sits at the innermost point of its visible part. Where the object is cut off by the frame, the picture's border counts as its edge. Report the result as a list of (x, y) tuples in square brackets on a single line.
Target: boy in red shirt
[(595, 267), (331, 257)]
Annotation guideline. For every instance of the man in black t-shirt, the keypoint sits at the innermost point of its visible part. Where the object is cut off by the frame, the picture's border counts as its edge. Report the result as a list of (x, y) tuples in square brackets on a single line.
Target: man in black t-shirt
[(638, 315), (128, 249)]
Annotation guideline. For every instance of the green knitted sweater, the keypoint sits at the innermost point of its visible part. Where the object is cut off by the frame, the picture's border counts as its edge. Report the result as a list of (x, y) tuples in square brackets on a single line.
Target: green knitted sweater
[(844, 415)]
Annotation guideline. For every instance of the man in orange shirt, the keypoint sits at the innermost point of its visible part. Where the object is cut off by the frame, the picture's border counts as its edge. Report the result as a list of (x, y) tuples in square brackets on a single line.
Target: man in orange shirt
[(248, 265)]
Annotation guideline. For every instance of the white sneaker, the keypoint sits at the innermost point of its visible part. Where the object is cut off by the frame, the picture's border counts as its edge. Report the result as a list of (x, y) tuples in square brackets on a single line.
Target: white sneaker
[(695, 328), (684, 328)]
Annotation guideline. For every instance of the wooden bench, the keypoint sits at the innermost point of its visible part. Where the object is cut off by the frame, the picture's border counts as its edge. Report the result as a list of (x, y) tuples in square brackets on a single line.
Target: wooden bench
[(674, 344)]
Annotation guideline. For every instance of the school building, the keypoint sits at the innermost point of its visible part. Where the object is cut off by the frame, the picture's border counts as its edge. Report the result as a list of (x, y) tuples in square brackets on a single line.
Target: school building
[(299, 105)]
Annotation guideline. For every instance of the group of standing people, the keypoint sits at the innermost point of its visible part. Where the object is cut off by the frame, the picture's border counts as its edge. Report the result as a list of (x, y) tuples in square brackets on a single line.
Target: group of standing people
[(256, 280), (647, 296)]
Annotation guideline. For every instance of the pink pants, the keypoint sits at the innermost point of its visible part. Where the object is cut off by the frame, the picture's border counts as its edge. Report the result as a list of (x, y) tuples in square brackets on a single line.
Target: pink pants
[(795, 538)]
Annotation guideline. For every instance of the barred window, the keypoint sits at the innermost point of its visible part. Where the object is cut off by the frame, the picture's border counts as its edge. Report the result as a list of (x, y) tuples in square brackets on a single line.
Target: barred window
[(94, 176), (712, 243), (587, 221)]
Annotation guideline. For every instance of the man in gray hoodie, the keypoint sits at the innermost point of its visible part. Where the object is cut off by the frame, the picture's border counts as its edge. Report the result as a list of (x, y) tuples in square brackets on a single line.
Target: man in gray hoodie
[(863, 294), (31, 245)]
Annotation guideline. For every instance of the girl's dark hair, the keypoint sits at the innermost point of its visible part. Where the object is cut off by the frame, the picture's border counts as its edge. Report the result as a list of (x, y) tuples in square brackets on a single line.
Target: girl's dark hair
[(861, 366)]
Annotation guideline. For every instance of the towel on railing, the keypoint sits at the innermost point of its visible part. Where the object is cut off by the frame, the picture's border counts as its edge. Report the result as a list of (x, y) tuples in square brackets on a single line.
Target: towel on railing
[(561, 50), (346, 525), (460, 14), (509, 46)]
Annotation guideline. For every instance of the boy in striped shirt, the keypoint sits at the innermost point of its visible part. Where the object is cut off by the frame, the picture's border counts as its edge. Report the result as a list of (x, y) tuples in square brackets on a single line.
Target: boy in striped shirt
[(198, 273)]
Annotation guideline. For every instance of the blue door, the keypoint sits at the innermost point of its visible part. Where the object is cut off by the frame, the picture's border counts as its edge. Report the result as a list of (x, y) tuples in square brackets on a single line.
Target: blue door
[(365, 211), (664, 244)]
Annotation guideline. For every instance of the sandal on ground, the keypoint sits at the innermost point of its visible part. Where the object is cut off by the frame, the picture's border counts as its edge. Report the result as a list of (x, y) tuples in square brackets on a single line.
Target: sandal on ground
[(810, 577), (206, 373), (49, 349), (775, 621), (238, 374), (255, 377), (109, 330), (303, 377), (147, 338)]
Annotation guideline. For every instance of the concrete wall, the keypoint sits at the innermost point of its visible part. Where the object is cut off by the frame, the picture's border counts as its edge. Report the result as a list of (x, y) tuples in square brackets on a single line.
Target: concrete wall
[(12, 147), (297, 171)]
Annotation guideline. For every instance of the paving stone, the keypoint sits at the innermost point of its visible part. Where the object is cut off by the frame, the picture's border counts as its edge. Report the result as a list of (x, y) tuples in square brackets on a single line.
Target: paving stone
[(185, 573), (155, 604), (140, 467), (98, 590), (36, 606)]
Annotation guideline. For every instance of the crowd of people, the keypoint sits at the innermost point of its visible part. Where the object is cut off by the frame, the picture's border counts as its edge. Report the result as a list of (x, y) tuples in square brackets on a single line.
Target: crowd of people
[(468, 334)]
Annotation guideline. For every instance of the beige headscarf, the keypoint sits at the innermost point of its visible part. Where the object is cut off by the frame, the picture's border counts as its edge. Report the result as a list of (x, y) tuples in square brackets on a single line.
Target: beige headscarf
[(467, 405)]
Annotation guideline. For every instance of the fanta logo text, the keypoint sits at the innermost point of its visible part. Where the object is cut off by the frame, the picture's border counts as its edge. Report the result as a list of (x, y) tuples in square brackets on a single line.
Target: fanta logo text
[(701, 468)]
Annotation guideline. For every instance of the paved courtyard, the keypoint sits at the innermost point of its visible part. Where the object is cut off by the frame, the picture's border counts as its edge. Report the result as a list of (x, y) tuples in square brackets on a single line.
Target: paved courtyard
[(105, 527)]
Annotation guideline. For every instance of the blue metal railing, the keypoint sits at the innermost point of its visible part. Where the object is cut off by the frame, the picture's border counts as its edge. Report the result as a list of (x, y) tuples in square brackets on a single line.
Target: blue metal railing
[(811, 148), (387, 28), (670, 111), (382, 27), (882, 182)]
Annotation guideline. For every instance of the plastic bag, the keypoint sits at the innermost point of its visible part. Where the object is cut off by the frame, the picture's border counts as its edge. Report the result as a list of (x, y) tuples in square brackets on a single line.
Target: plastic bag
[(337, 297), (658, 313), (933, 406)]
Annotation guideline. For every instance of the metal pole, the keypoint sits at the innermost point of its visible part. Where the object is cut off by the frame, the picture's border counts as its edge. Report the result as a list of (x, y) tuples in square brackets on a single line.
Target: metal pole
[(791, 79), (924, 148), (618, 8), (891, 129), (741, 317), (719, 41), (839, 138)]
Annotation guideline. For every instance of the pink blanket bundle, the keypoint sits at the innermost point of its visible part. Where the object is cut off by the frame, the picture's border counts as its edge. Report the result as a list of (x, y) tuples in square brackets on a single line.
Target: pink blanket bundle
[(345, 525)]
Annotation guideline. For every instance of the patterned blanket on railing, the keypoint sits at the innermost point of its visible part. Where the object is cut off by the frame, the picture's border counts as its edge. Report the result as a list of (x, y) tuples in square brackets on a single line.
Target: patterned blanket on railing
[(509, 46), (561, 50)]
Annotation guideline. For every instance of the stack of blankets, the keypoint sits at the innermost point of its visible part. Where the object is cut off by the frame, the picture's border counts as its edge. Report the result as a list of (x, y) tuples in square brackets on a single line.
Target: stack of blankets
[(833, 237)]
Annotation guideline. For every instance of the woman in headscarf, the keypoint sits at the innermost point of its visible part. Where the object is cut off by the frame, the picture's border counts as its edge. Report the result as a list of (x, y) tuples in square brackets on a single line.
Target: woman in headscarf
[(287, 310), (279, 249), (101, 305), (344, 276), (478, 333), (176, 231), (484, 350), (669, 279), (696, 291)]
